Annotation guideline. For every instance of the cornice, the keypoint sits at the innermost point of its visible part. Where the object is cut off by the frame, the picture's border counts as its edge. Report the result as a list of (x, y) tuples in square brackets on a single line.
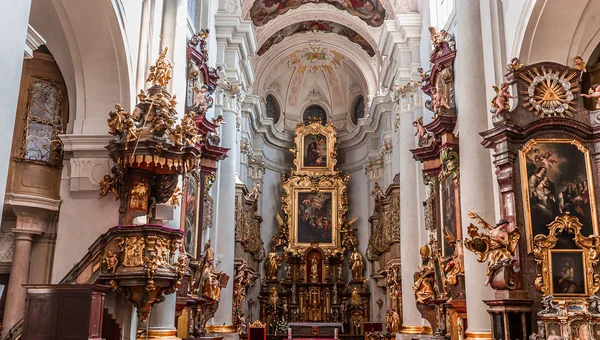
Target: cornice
[(82, 145)]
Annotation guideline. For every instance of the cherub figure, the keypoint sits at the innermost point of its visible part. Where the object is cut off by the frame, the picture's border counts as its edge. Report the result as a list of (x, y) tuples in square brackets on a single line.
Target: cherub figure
[(438, 101), (498, 246), (200, 100), (218, 121), (255, 192), (120, 121), (594, 93), (514, 65), (418, 124), (500, 101), (579, 64), (111, 260)]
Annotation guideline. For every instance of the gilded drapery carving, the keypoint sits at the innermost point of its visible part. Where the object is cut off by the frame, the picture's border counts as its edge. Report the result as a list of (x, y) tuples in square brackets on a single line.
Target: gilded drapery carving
[(247, 227), (385, 225)]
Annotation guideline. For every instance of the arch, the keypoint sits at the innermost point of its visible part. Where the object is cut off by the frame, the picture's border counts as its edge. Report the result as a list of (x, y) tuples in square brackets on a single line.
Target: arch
[(321, 26), (97, 72), (372, 12), (540, 38)]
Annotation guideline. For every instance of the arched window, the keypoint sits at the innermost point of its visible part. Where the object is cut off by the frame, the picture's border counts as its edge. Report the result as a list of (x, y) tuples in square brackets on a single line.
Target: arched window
[(358, 109), (273, 110), (314, 111)]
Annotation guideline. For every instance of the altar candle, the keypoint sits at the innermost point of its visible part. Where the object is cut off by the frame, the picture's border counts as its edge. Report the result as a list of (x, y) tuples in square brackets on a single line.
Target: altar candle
[(289, 333), (335, 333)]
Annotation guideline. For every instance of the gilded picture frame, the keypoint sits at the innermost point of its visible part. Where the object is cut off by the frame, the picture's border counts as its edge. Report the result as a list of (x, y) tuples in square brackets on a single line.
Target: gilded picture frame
[(190, 212), (583, 257), (568, 167), (315, 141), (568, 280), (315, 217)]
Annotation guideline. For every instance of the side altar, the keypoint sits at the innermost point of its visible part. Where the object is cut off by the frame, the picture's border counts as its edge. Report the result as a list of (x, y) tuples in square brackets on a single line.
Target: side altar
[(314, 272)]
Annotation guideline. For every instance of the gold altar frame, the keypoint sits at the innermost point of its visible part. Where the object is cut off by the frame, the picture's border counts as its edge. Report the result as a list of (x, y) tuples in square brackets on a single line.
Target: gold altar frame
[(315, 127), (525, 183)]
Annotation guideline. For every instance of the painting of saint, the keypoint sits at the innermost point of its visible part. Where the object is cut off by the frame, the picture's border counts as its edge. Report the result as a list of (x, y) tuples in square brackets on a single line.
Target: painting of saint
[(315, 150), (448, 215), (315, 220), (191, 214), (556, 181), (370, 11), (567, 273)]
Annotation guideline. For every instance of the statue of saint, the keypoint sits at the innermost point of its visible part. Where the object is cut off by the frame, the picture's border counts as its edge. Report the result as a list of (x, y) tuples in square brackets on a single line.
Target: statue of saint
[(210, 279), (357, 265), (273, 263), (314, 271)]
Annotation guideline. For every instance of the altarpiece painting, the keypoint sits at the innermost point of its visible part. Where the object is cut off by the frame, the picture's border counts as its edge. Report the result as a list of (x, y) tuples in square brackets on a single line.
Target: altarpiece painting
[(554, 177), (315, 222)]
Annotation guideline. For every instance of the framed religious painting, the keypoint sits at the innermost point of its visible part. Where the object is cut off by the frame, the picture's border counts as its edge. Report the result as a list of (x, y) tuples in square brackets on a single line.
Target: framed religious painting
[(190, 212), (556, 178), (315, 218), (315, 148), (568, 273), (314, 151), (449, 215)]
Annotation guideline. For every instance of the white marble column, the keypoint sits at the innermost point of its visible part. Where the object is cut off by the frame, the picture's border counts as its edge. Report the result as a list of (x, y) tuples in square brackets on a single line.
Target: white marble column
[(409, 218), (14, 16), (143, 48), (476, 191), (228, 105)]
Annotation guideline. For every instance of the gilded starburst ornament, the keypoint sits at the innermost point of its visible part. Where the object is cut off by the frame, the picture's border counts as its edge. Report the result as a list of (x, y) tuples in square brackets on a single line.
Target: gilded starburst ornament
[(550, 94)]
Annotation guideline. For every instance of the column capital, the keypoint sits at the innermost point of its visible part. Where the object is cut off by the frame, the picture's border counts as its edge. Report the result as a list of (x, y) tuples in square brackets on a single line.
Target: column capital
[(230, 97), (25, 234)]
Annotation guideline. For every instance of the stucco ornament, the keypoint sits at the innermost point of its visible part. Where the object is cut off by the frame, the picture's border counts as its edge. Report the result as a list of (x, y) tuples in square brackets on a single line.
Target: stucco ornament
[(550, 94)]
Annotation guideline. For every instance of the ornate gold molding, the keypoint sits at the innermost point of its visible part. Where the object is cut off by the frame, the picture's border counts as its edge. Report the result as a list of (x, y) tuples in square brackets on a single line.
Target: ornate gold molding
[(415, 330), (220, 329), (543, 250)]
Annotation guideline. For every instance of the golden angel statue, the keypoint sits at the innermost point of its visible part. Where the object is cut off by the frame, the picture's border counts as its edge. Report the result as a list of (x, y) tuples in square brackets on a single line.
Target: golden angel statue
[(357, 265), (579, 64), (498, 246)]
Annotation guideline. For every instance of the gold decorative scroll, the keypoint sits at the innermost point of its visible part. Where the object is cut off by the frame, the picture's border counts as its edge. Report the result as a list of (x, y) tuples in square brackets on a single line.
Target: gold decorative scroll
[(544, 248)]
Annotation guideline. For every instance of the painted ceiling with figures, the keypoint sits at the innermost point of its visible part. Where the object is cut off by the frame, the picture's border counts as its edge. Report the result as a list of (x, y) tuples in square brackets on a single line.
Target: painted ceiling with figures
[(322, 52)]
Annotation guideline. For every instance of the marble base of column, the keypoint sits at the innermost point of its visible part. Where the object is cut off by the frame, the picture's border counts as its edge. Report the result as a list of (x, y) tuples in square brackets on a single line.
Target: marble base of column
[(19, 275)]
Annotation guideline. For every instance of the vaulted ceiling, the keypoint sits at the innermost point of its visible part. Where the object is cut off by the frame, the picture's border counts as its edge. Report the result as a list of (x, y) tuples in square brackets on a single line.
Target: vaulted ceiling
[(319, 52)]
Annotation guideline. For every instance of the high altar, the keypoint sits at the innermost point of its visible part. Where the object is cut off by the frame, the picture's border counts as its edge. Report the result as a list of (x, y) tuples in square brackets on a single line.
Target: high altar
[(314, 278)]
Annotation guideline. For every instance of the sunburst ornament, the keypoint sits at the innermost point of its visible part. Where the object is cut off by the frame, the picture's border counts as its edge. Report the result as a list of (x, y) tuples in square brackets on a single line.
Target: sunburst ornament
[(315, 58), (550, 94)]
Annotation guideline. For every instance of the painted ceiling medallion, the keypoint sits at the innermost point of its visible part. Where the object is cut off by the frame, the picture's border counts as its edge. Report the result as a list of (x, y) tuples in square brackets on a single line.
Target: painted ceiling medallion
[(315, 58), (550, 94), (369, 11), (317, 26)]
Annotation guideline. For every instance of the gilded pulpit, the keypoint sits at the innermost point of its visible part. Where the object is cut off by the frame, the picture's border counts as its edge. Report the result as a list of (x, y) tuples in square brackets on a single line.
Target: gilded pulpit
[(315, 246)]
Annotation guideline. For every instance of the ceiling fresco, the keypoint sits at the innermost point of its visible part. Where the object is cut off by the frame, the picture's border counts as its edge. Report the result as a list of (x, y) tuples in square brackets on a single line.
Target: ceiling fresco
[(370, 11), (317, 26)]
